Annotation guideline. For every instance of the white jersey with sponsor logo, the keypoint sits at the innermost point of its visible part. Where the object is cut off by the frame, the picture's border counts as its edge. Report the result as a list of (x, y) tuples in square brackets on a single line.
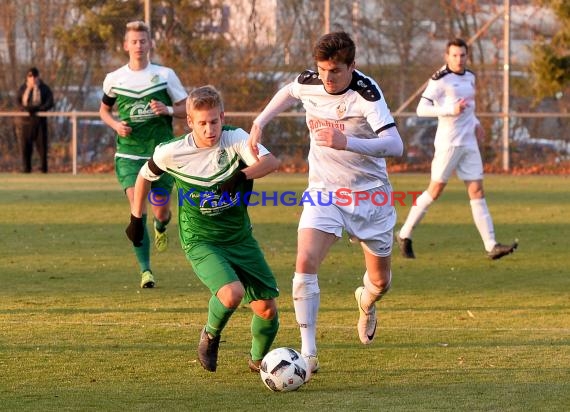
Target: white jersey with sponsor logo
[(444, 90), (360, 112)]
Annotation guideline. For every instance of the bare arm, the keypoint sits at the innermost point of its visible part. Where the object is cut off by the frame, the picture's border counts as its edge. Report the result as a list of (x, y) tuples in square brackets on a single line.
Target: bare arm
[(262, 167), (106, 114), (142, 187), (180, 109), (265, 165), (177, 110)]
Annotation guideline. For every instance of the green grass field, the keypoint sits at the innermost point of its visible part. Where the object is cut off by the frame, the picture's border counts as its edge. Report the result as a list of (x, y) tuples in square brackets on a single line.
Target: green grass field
[(458, 332)]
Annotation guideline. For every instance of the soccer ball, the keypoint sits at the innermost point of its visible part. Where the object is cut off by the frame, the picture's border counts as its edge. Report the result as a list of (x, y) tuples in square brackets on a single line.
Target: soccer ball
[(283, 370)]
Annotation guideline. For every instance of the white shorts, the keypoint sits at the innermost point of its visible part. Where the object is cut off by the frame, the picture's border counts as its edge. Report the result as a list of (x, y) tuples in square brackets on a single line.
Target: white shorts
[(364, 220), (466, 160)]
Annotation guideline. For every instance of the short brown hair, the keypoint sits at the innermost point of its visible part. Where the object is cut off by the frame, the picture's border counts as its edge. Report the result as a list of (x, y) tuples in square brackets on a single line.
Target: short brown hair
[(204, 98), (337, 46)]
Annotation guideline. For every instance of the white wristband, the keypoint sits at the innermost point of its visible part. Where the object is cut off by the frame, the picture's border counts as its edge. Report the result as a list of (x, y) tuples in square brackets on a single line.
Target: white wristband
[(170, 110)]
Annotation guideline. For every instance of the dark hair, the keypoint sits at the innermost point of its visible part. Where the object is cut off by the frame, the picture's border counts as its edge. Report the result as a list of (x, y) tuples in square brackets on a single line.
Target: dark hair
[(458, 43), (34, 72), (337, 46)]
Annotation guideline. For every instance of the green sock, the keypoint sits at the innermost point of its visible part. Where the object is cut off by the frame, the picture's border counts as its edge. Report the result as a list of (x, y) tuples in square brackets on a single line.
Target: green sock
[(143, 252), (263, 332), (218, 316), (161, 226)]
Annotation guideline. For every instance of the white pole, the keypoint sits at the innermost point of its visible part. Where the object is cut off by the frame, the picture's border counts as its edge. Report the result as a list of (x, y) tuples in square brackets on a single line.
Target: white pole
[(327, 16), (506, 91), (147, 13), (74, 142), (355, 18)]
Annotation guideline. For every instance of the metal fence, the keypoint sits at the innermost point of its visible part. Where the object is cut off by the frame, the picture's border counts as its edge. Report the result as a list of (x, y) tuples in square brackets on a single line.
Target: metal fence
[(81, 142)]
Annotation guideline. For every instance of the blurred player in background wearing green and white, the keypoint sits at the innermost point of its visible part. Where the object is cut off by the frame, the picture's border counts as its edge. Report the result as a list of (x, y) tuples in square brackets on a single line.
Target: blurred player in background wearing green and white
[(147, 97)]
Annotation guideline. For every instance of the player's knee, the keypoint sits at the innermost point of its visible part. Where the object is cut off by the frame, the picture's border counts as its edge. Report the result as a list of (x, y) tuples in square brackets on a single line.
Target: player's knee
[(381, 288), (265, 309), (270, 313), (435, 190), (476, 192), (378, 287), (231, 294), (307, 261), (265, 314)]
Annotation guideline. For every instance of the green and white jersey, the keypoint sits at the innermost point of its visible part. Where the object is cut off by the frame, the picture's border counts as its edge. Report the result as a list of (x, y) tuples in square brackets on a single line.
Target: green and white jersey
[(132, 91), (205, 214)]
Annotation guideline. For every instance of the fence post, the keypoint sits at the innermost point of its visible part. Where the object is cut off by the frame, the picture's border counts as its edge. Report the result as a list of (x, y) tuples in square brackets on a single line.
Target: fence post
[(74, 141), (506, 85)]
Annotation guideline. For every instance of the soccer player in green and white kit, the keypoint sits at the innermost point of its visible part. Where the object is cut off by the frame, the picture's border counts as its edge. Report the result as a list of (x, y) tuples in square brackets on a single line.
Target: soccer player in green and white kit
[(214, 169), (147, 97)]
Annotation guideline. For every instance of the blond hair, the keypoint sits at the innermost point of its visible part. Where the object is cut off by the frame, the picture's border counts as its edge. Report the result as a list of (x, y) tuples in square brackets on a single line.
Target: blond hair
[(204, 98), (137, 25)]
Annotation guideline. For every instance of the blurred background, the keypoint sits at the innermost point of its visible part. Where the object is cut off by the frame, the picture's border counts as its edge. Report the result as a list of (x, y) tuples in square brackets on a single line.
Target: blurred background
[(520, 52)]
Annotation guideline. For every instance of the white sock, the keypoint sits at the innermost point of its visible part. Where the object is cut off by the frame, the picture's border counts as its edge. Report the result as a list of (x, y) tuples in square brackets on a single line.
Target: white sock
[(415, 215), (484, 222), (306, 300)]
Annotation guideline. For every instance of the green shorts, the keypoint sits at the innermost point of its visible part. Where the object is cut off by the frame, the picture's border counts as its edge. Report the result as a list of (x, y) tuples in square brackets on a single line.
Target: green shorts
[(217, 266), (127, 171)]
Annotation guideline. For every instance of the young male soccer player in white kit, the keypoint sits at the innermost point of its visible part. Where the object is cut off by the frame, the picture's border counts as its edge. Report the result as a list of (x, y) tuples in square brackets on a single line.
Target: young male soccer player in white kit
[(147, 97), (214, 168), (450, 96), (351, 131)]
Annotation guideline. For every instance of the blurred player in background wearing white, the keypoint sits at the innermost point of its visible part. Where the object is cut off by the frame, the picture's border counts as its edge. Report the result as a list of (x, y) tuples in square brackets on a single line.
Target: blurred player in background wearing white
[(450, 96), (214, 168), (147, 97), (351, 132)]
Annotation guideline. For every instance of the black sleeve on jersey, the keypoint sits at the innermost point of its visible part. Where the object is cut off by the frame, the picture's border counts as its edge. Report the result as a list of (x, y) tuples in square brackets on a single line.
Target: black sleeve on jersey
[(247, 186), (440, 73), (157, 171), (109, 101), (309, 77), (385, 127), (364, 87)]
